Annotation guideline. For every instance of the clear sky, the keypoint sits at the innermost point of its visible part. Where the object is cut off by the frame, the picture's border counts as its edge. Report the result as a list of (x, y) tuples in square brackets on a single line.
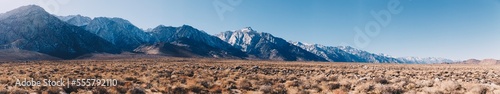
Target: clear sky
[(455, 29)]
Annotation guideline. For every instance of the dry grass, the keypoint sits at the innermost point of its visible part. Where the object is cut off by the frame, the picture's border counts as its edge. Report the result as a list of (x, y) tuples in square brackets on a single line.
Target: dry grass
[(180, 76)]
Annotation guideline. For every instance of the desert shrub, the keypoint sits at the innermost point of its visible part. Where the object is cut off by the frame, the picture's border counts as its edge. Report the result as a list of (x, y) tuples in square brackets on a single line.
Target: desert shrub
[(345, 85), (110, 91), (279, 89), (53, 90), (133, 79), (425, 83), (381, 80), (397, 80), (430, 90), (217, 91), (316, 88), (4, 81), (121, 89), (189, 73), (196, 89), (235, 91), (306, 85), (136, 90), (332, 78), (278, 80), (266, 82), (478, 89), (70, 89), (4, 91), (178, 90), (338, 91), (496, 91), (321, 78), (100, 90), (364, 88), (333, 85), (19, 91), (410, 86), (291, 78), (496, 81), (384, 89), (266, 89), (303, 92), (294, 83), (206, 84), (450, 86), (244, 84)]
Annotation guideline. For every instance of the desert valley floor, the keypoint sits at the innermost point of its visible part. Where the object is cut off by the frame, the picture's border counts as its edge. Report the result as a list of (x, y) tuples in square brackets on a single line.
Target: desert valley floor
[(215, 76)]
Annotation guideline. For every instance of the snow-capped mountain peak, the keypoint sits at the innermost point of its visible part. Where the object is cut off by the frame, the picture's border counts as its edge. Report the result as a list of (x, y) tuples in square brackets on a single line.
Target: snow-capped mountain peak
[(240, 38), (266, 46), (300, 43), (247, 29)]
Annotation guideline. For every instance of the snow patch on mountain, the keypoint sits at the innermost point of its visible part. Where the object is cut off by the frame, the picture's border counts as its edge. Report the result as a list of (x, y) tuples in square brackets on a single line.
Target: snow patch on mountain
[(266, 46), (77, 20), (425, 60), (350, 54), (240, 38)]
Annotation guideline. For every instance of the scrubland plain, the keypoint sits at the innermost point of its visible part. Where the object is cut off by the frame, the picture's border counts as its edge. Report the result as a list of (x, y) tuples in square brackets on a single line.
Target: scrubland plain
[(215, 76)]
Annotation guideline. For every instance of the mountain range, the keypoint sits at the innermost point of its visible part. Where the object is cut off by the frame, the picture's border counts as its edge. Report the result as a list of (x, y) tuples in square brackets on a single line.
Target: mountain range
[(30, 33), (189, 42), (265, 46), (350, 54)]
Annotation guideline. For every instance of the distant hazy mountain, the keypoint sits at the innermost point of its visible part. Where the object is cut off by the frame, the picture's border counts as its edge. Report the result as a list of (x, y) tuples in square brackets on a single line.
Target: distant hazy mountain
[(77, 20), (31, 28), (266, 46), (350, 54), (187, 38), (480, 62), (426, 60), (119, 32), (346, 54)]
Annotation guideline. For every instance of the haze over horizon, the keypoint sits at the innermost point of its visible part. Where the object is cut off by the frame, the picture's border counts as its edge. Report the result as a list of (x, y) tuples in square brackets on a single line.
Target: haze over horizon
[(454, 29)]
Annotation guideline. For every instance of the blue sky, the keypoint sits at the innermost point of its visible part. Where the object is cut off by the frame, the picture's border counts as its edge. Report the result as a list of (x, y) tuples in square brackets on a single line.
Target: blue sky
[(455, 29)]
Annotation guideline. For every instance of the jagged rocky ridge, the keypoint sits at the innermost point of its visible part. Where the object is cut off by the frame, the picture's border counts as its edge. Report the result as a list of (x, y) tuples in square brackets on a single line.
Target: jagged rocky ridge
[(265, 46)]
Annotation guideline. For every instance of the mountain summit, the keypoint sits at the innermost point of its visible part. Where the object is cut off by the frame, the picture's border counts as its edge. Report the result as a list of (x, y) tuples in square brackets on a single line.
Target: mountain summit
[(77, 20), (31, 28), (119, 32), (24, 11)]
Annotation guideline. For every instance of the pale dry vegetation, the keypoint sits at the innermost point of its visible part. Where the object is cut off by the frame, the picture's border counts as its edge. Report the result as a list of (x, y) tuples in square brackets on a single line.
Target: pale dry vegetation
[(212, 76)]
